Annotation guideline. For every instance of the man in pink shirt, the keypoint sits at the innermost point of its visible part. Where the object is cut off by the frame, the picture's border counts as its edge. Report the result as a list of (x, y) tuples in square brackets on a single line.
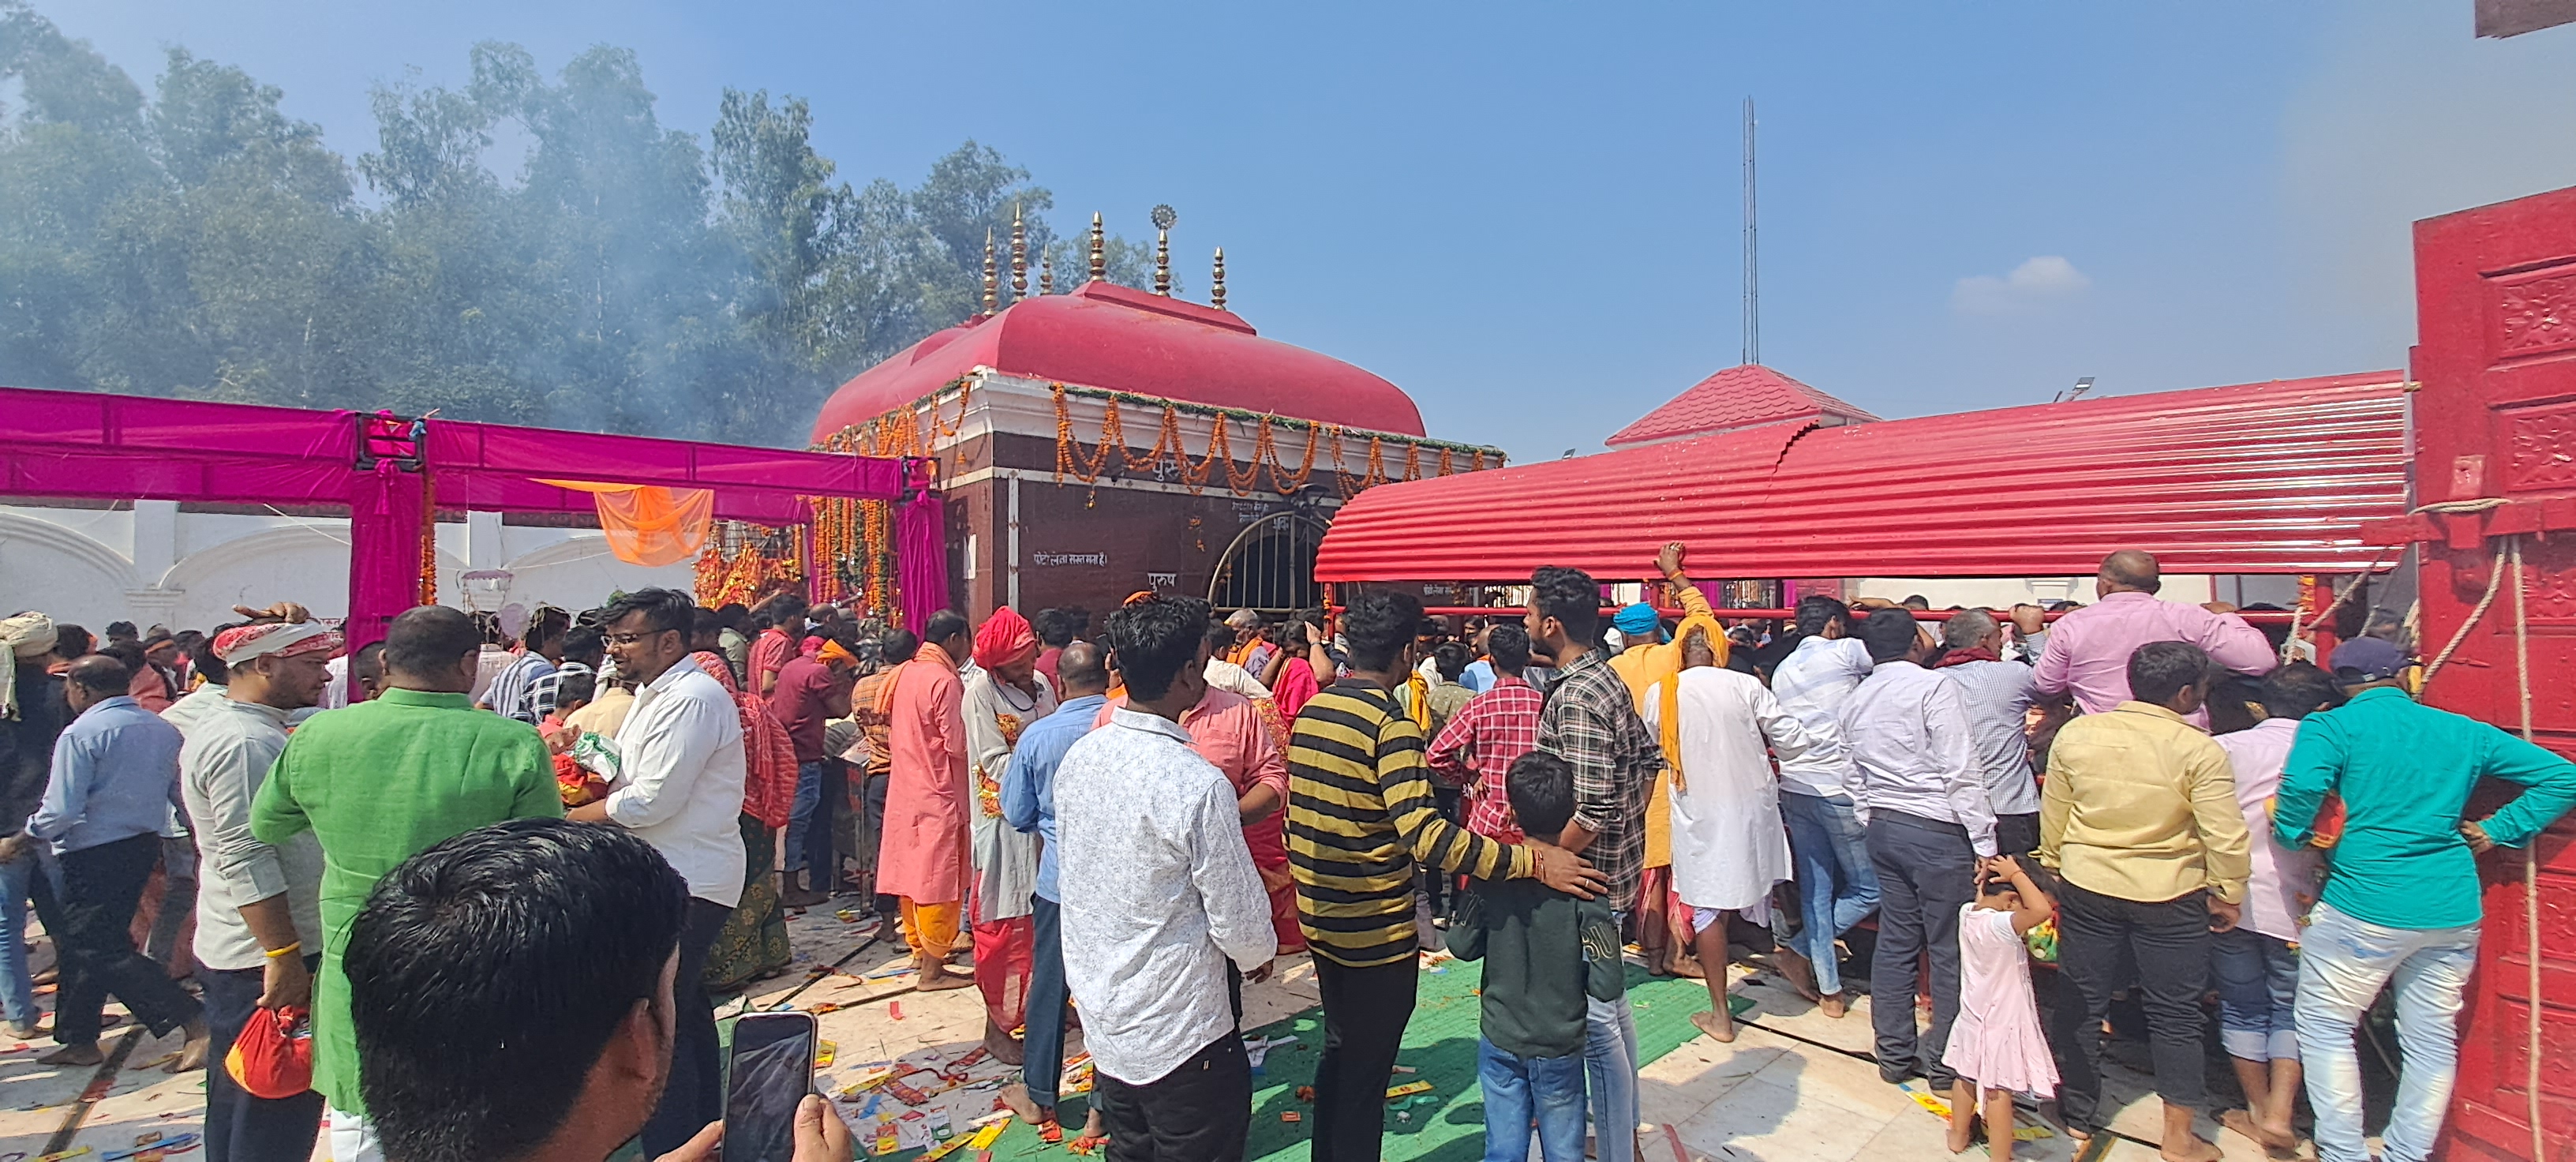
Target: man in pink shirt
[(2088, 650), (783, 638), (1226, 730), (924, 860)]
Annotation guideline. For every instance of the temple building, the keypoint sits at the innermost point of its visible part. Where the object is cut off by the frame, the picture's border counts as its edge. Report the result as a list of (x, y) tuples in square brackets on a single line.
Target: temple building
[(1109, 440)]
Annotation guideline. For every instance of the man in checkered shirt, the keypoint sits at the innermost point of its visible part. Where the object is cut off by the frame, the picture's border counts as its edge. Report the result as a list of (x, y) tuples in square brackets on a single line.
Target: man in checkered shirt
[(1591, 722)]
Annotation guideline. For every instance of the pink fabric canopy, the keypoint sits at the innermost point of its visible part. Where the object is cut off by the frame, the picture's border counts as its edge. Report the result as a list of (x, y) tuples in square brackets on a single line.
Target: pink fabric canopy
[(83, 445)]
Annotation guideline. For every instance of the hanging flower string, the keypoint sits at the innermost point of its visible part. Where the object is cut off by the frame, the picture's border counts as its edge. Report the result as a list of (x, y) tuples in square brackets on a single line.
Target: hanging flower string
[(1242, 478)]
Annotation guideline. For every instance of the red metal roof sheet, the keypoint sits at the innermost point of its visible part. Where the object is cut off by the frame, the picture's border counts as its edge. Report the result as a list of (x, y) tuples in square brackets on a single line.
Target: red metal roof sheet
[(1737, 397), (2257, 478)]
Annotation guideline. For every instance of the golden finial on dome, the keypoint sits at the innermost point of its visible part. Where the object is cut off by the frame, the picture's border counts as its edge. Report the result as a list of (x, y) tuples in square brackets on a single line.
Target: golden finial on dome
[(1019, 256), (1099, 250), (992, 282), (1046, 273), (1163, 220), (1216, 282)]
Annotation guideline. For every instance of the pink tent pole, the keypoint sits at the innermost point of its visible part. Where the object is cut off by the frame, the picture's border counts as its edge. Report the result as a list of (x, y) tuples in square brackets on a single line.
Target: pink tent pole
[(386, 523), (921, 558)]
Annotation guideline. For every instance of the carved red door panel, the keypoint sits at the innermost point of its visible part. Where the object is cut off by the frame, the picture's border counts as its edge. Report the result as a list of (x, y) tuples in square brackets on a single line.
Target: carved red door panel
[(2496, 418)]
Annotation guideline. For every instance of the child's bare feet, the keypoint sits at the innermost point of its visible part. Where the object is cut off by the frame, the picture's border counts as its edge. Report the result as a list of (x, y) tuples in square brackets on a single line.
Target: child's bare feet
[(1717, 1023), (1963, 1116)]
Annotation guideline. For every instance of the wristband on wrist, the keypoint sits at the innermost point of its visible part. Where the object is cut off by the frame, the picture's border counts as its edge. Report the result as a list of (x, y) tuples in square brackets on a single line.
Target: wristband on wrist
[(274, 953)]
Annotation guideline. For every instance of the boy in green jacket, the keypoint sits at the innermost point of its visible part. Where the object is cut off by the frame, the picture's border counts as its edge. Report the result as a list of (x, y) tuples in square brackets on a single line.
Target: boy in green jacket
[(1544, 953)]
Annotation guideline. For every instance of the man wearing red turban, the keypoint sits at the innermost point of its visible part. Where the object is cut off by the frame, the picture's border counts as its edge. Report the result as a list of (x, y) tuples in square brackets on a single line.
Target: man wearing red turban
[(1003, 698)]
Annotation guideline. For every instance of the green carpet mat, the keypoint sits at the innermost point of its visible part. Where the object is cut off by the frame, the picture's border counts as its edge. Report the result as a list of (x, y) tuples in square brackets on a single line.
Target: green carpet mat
[(1445, 1125)]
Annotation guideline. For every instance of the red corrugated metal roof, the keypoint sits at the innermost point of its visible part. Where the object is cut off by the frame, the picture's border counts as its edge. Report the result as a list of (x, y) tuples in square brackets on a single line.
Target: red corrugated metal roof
[(2257, 478), (1738, 397)]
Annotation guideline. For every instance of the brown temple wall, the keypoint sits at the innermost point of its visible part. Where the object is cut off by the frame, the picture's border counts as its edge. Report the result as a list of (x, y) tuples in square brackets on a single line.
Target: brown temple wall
[(1100, 543)]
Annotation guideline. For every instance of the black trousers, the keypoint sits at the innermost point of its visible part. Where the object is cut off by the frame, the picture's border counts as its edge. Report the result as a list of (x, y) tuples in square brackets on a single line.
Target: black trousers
[(1365, 1011), (238, 1125), (2018, 836), (695, 1095), (1926, 871), (1439, 888), (101, 887), (2104, 944), (1199, 1112)]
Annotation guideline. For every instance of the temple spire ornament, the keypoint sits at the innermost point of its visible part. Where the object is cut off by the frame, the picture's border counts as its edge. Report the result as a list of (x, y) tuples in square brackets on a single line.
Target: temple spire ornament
[(1163, 220), (992, 283), (1046, 272), (1019, 256), (1099, 250), (1216, 282)]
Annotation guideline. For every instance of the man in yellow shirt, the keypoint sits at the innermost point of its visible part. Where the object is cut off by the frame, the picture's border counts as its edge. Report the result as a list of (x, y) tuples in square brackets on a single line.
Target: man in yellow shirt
[(2139, 816)]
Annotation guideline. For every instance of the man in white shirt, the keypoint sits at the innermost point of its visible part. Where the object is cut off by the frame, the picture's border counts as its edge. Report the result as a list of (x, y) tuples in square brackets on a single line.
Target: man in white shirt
[(679, 788), (259, 908), (1998, 695), (1836, 888), (1159, 896), (1922, 797)]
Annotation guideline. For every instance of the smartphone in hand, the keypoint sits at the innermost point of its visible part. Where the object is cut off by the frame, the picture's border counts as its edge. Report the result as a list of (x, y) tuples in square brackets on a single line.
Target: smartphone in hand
[(771, 1069)]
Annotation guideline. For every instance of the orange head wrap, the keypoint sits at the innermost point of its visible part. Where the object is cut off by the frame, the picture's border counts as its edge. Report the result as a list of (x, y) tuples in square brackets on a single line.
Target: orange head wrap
[(1004, 638)]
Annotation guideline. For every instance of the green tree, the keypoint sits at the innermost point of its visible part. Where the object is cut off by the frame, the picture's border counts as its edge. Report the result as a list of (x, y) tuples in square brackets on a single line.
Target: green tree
[(626, 278)]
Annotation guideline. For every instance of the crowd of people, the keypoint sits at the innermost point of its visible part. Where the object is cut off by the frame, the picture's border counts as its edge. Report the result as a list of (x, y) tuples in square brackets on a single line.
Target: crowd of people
[(505, 873)]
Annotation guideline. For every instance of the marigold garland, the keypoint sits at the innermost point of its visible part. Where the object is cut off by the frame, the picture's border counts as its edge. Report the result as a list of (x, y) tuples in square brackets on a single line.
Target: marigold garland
[(918, 430)]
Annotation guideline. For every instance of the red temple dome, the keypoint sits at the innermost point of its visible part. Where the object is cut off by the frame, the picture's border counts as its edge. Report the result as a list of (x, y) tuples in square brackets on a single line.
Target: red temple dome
[(1109, 336)]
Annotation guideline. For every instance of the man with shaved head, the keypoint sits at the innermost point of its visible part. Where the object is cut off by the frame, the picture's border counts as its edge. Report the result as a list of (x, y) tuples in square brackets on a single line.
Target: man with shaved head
[(2088, 651), (1028, 805)]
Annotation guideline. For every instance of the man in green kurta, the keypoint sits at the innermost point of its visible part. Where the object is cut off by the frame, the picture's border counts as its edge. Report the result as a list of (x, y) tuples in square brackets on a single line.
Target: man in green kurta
[(378, 782)]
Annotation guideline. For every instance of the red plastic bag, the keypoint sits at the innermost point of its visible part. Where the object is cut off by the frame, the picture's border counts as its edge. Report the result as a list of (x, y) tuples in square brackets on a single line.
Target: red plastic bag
[(273, 1057)]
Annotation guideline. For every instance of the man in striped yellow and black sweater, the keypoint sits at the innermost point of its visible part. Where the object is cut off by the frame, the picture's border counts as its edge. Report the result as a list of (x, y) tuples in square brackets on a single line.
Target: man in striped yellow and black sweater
[(1361, 821)]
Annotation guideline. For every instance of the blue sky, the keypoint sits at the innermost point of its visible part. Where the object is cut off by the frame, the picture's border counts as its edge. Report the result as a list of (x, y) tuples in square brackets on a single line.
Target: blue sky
[(1527, 216)]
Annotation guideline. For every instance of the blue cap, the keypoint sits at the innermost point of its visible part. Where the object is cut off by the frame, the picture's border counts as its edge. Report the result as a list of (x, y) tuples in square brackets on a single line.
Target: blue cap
[(1636, 622), (2368, 659)]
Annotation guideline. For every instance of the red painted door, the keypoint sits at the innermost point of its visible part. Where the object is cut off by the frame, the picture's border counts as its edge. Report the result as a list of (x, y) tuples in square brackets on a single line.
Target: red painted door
[(2496, 419)]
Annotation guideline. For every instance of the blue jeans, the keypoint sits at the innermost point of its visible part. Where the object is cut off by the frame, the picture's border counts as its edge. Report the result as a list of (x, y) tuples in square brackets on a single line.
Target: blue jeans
[(1518, 1089), (1836, 888), (1043, 1068), (1610, 1062), (2342, 963), (17, 992), (809, 793), (2258, 988)]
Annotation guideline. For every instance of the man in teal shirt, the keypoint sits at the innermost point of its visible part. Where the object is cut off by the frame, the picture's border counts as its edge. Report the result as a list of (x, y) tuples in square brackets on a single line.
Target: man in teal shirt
[(380, 781), (2401, 891)]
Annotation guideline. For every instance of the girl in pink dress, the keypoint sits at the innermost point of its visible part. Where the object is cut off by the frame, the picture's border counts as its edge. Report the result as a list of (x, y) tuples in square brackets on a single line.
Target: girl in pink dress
[(1997, 1043)]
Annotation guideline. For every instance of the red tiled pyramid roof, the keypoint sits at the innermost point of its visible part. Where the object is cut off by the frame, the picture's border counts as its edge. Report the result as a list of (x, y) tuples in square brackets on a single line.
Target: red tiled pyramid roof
[(1737, 397)]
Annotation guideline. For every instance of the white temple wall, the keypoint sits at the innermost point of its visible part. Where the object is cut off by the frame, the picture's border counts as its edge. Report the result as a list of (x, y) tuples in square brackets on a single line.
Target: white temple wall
[(153, 563)]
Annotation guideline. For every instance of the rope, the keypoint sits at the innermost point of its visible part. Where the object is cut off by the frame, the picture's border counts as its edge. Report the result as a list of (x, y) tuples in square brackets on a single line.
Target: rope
[(2530, 865), (2495, 580), (2511, 554), (2337, 603)]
